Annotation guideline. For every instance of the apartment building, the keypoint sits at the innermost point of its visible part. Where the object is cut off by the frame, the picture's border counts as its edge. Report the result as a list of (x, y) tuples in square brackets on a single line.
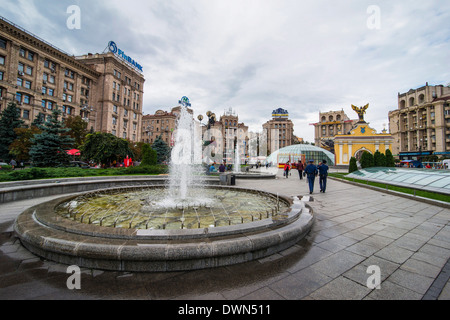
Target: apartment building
[(105, 90), (161, 124), (421, 124), (331, 124), (118, 95), (279, 131)]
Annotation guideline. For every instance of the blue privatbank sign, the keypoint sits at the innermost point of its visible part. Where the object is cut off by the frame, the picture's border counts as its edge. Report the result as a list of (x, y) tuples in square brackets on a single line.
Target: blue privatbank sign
[(120, 53)]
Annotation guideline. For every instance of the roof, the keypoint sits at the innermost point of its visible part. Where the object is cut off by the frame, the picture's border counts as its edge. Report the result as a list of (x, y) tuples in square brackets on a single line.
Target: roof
[(427, 179), (310, 151)]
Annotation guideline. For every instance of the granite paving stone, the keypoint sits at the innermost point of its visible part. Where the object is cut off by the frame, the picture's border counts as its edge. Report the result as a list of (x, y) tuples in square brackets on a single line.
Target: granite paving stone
[(355, 228)]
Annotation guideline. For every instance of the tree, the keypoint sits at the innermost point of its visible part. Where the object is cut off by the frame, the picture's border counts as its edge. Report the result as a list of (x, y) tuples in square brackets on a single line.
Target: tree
[(136, 147), (9, 120), (50, 146), (78, 129), (367, 160), (149, 156), (105, 148), (162, 150), (21, 147), (353, 166), (390, 162), (379, 159)]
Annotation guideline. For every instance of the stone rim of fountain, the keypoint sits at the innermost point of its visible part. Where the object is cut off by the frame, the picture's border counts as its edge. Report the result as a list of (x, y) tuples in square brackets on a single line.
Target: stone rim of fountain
[(44, 214), (162, 250)]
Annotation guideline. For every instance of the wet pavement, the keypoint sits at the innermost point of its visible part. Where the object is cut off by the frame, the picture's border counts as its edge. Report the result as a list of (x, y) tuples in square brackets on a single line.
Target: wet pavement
[(356, 228)]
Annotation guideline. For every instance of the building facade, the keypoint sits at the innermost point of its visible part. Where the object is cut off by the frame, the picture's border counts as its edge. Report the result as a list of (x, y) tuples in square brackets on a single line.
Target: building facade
[(227, 132), (421, 124), (279, 131), (105, 91), (117, 95), (162, 123), (330, 124), (361, 138), (39, 77)]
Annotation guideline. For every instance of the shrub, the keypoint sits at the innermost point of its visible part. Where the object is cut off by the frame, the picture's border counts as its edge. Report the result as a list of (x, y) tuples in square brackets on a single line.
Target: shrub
[(390, 162), (353, 166), (149, 156), (47, 173), (367, 160), (379, 159)]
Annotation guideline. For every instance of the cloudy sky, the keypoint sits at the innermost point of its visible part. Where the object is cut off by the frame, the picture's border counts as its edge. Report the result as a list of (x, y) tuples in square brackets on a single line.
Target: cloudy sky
[(255, 56)]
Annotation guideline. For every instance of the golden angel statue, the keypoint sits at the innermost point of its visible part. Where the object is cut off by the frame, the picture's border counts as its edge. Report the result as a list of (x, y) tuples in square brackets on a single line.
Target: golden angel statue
[(361, 111)]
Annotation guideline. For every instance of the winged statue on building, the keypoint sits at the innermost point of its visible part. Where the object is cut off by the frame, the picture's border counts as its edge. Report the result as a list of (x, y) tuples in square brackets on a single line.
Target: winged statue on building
[(360, 111)]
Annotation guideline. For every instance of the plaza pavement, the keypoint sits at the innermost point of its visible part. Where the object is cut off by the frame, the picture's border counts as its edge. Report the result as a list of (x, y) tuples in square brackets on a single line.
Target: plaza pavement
[(355, 228)]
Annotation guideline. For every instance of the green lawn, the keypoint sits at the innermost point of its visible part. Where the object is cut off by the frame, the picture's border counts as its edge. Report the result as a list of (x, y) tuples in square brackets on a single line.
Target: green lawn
[(418, 193)]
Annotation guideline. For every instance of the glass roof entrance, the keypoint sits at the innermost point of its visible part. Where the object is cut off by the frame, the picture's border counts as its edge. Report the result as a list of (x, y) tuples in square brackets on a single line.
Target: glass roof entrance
[(427, 179)]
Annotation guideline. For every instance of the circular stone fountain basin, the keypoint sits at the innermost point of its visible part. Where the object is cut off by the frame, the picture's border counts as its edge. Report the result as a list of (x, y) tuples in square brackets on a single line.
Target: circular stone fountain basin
[(268, 224), (152, 208)]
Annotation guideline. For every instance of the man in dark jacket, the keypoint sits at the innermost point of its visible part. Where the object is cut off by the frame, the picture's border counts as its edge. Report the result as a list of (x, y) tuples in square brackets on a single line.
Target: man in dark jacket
[(323, 175), (311, 173)]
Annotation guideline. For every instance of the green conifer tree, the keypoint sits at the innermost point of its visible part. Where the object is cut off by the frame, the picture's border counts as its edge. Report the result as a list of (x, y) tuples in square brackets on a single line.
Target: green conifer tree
[(9, 120), (367, 160), (378, 159), (149, 156), (162, 150), (353, 166), (50, 146), (390, 162)]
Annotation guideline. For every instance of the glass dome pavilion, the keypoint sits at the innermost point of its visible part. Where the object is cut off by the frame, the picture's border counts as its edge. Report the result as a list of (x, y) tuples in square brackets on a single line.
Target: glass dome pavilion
[(294, 151)]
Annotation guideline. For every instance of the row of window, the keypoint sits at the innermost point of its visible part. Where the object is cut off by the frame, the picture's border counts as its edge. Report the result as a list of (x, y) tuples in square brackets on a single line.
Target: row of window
[(116, 110), (26, 69), (66, 110), (118, 75), (331, 118), (24, 98), (125, 123), (162, 121), (124, 135), (126, 91), (126, 102)]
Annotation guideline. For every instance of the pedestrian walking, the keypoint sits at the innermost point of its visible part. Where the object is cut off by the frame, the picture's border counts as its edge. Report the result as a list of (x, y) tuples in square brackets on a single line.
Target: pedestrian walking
[(13, 163), (287, 168), (311, 173), (300, 168), (323, 175)]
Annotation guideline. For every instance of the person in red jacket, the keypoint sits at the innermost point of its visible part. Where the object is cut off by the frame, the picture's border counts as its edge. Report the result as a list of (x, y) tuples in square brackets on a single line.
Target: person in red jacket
[(287, 168), (300, 168)]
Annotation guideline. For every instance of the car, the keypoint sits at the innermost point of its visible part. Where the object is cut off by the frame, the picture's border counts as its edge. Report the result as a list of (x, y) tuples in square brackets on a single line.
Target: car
[(79, 164), (3, 164), (75, 164)]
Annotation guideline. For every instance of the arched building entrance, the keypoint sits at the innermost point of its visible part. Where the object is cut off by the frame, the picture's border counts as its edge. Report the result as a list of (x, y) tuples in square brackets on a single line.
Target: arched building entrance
[(359, 153)]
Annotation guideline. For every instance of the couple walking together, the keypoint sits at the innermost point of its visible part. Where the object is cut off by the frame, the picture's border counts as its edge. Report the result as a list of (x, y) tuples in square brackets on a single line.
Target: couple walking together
[(311, 172)]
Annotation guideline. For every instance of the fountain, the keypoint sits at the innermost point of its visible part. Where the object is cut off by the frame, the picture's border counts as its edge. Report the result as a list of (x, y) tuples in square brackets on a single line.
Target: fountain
[(237, 159), (183, 225), (186, 162)]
